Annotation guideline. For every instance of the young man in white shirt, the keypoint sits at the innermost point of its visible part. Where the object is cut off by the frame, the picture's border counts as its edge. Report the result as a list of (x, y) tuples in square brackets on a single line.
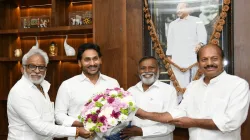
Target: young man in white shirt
[(75, 92), (215, 106), (186, 35), (30, 111), (154, 96)]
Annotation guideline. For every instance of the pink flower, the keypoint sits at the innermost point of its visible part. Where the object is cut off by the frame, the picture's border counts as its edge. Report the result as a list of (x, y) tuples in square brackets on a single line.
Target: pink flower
[(111, 100), (103, 120), (117, 89), (115, 114), (103, 128), (98, 97), (93, 117), (126, 93)]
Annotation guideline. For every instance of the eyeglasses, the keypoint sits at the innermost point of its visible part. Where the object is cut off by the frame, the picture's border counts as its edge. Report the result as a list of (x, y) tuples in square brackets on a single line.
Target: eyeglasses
[(34, 67)]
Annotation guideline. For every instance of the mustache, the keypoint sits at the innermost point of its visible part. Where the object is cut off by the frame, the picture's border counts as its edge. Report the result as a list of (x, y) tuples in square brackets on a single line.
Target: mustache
[(145, 73), (36, 75), (93, 66), (211, 66)]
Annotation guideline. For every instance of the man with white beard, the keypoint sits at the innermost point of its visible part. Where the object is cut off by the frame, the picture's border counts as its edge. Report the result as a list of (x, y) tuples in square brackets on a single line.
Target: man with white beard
[(30, 111), (154, 96)]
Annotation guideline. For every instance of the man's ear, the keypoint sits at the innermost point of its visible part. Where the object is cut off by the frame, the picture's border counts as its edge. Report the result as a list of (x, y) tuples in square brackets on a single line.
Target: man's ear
[(79, 63), (22, 69)]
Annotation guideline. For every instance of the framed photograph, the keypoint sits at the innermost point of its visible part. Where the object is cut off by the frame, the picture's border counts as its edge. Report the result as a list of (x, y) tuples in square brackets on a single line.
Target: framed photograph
[(25, 22), (44, 21), (80, 18), (181, 25)]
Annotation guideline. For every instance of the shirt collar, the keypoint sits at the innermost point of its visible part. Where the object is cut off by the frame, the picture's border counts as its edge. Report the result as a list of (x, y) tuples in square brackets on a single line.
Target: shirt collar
[(83, 77), (45, 84), (215, 79), (139, 85)]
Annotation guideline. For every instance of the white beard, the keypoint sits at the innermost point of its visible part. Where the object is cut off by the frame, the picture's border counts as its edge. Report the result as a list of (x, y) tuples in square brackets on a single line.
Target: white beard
[(37, 82), (151, 80)]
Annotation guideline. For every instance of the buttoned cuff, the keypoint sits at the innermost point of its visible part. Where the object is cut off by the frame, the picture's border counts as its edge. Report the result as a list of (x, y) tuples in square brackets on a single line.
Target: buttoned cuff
[(146, 131), (70, 131), (69, 121)]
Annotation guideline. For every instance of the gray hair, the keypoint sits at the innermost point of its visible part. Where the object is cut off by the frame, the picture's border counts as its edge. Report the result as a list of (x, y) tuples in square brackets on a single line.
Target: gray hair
[(34, 51)]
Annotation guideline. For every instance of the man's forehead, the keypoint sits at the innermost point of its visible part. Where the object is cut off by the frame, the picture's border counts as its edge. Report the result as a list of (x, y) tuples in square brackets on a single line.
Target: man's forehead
[(209, 51), (36, 58)]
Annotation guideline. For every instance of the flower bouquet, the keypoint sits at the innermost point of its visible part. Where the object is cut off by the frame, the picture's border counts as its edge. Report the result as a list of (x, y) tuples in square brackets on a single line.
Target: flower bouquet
[(108, 112)]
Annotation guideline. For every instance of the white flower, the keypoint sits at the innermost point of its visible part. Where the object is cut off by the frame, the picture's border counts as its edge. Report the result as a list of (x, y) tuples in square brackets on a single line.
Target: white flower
[(89, 125), (128, 99), (106, 112), (122, 117), (88, 112), (93, 110), (113, 92), (104, 102), (112, 121)]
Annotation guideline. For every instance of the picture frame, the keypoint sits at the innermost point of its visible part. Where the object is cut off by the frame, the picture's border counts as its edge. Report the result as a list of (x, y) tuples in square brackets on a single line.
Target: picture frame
[(160, 13)]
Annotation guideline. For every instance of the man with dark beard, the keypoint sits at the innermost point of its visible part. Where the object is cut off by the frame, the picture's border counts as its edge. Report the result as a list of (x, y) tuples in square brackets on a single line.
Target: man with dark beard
[(30, 111), (75, 92), (154, 96), (215, 106)]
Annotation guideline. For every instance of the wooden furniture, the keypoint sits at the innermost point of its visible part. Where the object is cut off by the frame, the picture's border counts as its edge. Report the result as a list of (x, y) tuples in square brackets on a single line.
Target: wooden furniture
[(14, 36), (117, 29)]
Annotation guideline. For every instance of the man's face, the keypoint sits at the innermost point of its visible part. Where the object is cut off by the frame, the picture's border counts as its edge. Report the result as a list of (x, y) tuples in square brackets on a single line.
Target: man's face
[(35, 69), (148, 71), (210, 61), (90, 62), (182, 10)]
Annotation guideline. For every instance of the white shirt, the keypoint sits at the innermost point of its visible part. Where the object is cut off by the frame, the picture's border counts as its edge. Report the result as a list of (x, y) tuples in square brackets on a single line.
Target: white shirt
[(31, 115), (160, 97), (183, 36), (225, 100), (74, 93)]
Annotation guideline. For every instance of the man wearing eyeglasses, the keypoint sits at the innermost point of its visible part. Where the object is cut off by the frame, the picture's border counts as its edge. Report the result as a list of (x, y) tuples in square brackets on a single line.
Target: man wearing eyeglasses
[(30, 112)]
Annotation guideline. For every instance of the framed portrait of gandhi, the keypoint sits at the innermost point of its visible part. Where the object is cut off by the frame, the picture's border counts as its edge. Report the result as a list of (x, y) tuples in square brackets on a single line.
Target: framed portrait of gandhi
[(176, 29)]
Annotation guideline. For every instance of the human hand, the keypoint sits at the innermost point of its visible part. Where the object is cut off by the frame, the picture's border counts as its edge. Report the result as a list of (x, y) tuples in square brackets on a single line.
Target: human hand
[(84, 133), (129, 132), (184, 122)]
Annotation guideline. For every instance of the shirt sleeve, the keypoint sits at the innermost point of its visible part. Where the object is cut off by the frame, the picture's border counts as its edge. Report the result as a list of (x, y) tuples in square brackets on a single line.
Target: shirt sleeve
[(162, 128), (62, 106), (201, 32), (181, 109), (117, 84), (157, 129), (236, 111), (170, 39), (26, 110)]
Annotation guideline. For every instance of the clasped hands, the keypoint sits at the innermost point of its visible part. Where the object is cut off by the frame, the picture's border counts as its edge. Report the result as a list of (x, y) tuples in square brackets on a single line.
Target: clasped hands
[(183, 122)]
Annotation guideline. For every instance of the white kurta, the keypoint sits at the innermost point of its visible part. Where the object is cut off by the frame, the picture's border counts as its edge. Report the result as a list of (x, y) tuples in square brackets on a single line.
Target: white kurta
[(160, 97), (31, 115), (74, 93), (225, 100), (183, 36)]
